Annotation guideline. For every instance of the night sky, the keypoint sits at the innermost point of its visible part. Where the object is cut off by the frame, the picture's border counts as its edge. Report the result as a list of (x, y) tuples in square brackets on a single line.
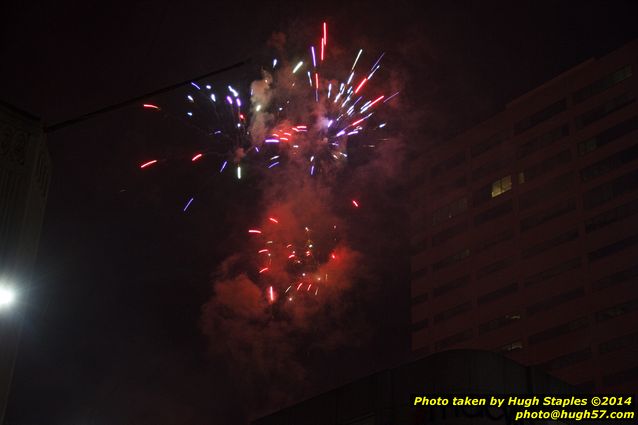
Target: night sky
[(113, 332)]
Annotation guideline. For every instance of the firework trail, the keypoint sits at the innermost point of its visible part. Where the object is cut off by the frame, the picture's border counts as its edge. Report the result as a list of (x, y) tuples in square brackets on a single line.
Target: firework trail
[(297, 120), (291, 132)]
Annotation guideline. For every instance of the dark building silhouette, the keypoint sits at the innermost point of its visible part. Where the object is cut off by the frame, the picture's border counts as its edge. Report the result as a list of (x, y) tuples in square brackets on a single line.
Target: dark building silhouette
[(384, 398), (24, 180), (525, 230)]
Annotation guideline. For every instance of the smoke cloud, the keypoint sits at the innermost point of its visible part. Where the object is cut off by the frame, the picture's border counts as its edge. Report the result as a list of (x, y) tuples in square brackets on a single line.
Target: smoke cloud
[(293, 293)]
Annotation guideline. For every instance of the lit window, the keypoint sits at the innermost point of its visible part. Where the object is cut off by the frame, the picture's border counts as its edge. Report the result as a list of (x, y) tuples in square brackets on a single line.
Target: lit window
[(517, 345), (501, 186)]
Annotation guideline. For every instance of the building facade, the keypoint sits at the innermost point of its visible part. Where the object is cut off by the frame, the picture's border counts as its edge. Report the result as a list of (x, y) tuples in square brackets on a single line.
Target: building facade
[(525, 230), (24, 181), (384, 398)]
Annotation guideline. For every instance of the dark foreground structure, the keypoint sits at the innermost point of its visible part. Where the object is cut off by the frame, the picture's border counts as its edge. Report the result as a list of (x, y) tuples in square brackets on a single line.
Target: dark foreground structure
[(24, 184), (525, 230), (385, 397)]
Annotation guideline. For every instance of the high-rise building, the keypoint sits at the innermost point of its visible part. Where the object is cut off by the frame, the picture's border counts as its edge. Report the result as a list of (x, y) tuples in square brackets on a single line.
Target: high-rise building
[(24, 180), (525, 230)]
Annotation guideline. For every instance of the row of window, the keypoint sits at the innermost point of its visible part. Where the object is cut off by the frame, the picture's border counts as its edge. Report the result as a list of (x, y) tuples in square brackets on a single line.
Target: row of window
[(547, 334), (504, 184), (540, 116), (579, 356), (613, 248), (545, 114), (608, 135), (553, 187), (565, 182), (538, 307), (556, 300), (579, 96), (555, 211), (610, 190), (619, 343), (543, 305), (545, 166), (609, 164), (544, 246), (602, 84), (601, 111), (616, 278), (591, 199)]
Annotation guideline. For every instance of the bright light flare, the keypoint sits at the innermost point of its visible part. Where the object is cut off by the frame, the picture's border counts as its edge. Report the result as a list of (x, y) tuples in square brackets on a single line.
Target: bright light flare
[(355, 203), (360, 85), (296, 68), (7, 297), (148, 164), (255, 231), (274, 220), (271, 294), (196, 157), (188, 204), (265, 269), (151, 106)]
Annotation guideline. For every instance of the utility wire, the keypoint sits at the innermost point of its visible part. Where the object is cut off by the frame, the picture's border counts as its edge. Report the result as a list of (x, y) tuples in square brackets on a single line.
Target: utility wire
[(67, 123)]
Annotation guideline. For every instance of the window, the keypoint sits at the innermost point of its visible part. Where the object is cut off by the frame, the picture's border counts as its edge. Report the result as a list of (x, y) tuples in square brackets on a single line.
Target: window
[(452, 259), (457, 338), (540, 116), (501, 186), (557, 210), (452, 312), (543, 141), (499, 293), (449, 233), (486, 145), (613, 248), (448, 164), (619, 343), (550, 243), (512, 346), (446, 186), (607, 136), (559, 330), (567, 360), (419, 299), (602, 84), (494, 240), (488, 169), (602, 111), (553, 271), (499, 322), (545, 166), (609, 164), (421, 324), (449, 211), (612, 216), (493, 213), (616, 278), (493, 268), (617, 310), (555, 301), (555, 186), (610, 190), (492, 190), (450, 286)]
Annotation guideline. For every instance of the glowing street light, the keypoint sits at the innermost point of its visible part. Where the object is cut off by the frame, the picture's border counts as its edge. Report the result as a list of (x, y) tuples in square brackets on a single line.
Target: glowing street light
[(7, 297)]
